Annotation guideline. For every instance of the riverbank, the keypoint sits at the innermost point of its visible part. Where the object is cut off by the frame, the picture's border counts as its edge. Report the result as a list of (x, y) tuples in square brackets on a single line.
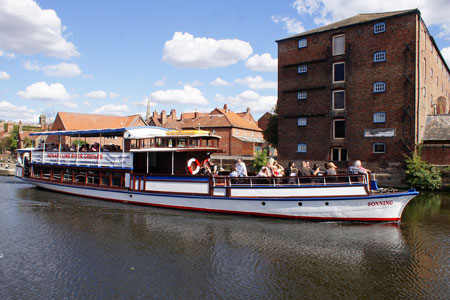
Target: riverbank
[(7, 172)]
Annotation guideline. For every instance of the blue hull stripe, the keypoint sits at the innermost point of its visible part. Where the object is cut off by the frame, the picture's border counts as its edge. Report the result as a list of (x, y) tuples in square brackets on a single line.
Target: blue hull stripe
[(381, 196)]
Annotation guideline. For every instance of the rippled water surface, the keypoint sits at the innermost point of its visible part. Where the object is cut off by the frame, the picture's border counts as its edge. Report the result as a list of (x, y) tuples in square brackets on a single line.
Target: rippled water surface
[(54, 246)]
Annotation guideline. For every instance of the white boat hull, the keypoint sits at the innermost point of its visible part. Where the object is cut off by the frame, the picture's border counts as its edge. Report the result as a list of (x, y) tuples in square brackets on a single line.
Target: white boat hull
[(298, 204)]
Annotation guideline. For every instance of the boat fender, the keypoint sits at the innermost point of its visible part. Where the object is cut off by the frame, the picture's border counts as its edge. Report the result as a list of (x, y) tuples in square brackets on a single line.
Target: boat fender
[(197, 164)]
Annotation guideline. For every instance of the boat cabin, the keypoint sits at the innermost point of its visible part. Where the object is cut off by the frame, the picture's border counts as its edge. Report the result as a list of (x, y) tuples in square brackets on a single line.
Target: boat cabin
[(118, 154)]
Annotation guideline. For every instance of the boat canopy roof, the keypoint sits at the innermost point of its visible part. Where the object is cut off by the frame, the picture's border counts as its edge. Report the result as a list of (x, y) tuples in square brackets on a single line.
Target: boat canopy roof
[(129, 132)]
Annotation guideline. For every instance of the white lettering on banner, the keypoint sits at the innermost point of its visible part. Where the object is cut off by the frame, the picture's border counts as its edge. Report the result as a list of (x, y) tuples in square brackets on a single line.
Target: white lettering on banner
[(103, 159)]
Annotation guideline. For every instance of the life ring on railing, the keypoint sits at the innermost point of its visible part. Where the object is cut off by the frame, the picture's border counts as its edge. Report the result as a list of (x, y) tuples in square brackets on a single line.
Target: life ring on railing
[(189, 164)]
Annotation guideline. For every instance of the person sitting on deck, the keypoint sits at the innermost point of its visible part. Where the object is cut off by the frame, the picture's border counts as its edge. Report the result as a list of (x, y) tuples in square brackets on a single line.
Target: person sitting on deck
[(330, 169), (305, 171), (358, 169), (264, 172), (241, 168)]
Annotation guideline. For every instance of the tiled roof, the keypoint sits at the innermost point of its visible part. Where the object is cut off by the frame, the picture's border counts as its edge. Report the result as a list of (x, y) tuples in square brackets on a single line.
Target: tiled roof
[(358, 19), (219, 118), (437, 128), (78, 121)]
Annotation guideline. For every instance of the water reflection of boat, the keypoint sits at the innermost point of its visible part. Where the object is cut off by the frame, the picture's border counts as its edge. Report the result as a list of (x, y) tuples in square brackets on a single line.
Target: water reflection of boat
[(154, 166)]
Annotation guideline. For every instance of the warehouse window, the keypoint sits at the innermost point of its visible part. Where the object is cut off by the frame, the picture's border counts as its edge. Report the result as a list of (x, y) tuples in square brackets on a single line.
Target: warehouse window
[(302, 69), (302, 95), (379, 27), (379, 87), (338, 100), (379, 148), (338, 154), (339, 45), (379, 56), (301, 148), (302, 43), (379, 117), (302, 122), (338, 129), (339, 72)]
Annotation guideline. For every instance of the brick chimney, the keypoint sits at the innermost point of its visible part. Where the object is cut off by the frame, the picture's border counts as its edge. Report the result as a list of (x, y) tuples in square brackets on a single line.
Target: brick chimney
[(163, 118), (248, 110), (9, 127), (173, 114), (225, 108), (20, 126)]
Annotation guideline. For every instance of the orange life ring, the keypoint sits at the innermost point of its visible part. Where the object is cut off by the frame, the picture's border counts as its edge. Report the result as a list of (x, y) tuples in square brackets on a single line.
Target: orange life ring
[(189, 164)]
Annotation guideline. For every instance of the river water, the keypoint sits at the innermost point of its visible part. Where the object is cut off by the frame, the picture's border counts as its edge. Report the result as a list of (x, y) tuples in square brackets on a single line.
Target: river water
[(55, 246)]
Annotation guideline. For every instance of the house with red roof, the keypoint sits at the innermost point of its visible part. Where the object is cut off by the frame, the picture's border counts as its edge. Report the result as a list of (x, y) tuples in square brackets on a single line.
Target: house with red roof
[(239, 132)]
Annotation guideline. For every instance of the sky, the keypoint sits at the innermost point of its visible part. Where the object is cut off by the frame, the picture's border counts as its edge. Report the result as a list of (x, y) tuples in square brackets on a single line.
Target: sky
[(113, 57)]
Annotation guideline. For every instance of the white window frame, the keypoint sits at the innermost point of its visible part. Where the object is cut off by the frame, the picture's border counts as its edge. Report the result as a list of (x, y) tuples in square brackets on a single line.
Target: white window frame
[(334, 129), (379, 118), (379, 87), (379, 56), (378, 144), (338, 63), (302, 69), (334, 93), (335, 51), (302, 121), (302, 43), (340, 154), (379, 27), (302, 95)]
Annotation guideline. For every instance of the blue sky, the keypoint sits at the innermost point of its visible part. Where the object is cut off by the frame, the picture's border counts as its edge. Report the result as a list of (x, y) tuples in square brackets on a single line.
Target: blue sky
[(111, 57)]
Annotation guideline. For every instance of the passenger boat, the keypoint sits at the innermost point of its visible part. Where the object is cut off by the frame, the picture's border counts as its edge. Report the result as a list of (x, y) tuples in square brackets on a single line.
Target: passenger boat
[(158, 167)]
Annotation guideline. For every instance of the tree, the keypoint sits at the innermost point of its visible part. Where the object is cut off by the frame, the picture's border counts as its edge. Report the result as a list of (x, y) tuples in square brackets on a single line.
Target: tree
[(420, 174), (271, 132), (260, 160)]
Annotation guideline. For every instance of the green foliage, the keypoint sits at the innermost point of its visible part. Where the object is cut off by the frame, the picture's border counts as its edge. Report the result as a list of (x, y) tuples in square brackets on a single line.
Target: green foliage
[(79, 142), (271, 132), (421, 175), (260, 160), (27, 142)]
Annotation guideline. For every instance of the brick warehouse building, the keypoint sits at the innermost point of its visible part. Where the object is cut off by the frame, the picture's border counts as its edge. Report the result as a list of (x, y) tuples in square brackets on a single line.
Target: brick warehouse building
[(362, 88)]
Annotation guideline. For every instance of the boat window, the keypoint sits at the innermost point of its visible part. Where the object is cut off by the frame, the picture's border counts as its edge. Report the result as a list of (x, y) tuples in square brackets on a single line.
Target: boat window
[(46, 172), (93, 177), (116, 179), (106, 178), (181, 143), (159, 142), (67, 175), (37, 172), (56, 174), (79, 176)]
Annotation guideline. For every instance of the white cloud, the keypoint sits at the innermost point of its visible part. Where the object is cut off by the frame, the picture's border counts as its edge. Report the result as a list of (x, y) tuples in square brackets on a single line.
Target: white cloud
[(434, 12), (161, 82), (28, 29), (4, 75), (54, 92), (220, 82), (290, 24), (144, 102), (96, 94), (9, 111), (257, 83), (446, 54), (255, 101), (112, 109), (188, 95), (31, 65), (192, 83), (62, 70), (262, 63), (186, 51)]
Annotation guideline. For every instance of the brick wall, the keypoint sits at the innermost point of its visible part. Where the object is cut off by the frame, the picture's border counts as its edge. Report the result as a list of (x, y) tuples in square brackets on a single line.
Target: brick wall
[(399, 72)]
